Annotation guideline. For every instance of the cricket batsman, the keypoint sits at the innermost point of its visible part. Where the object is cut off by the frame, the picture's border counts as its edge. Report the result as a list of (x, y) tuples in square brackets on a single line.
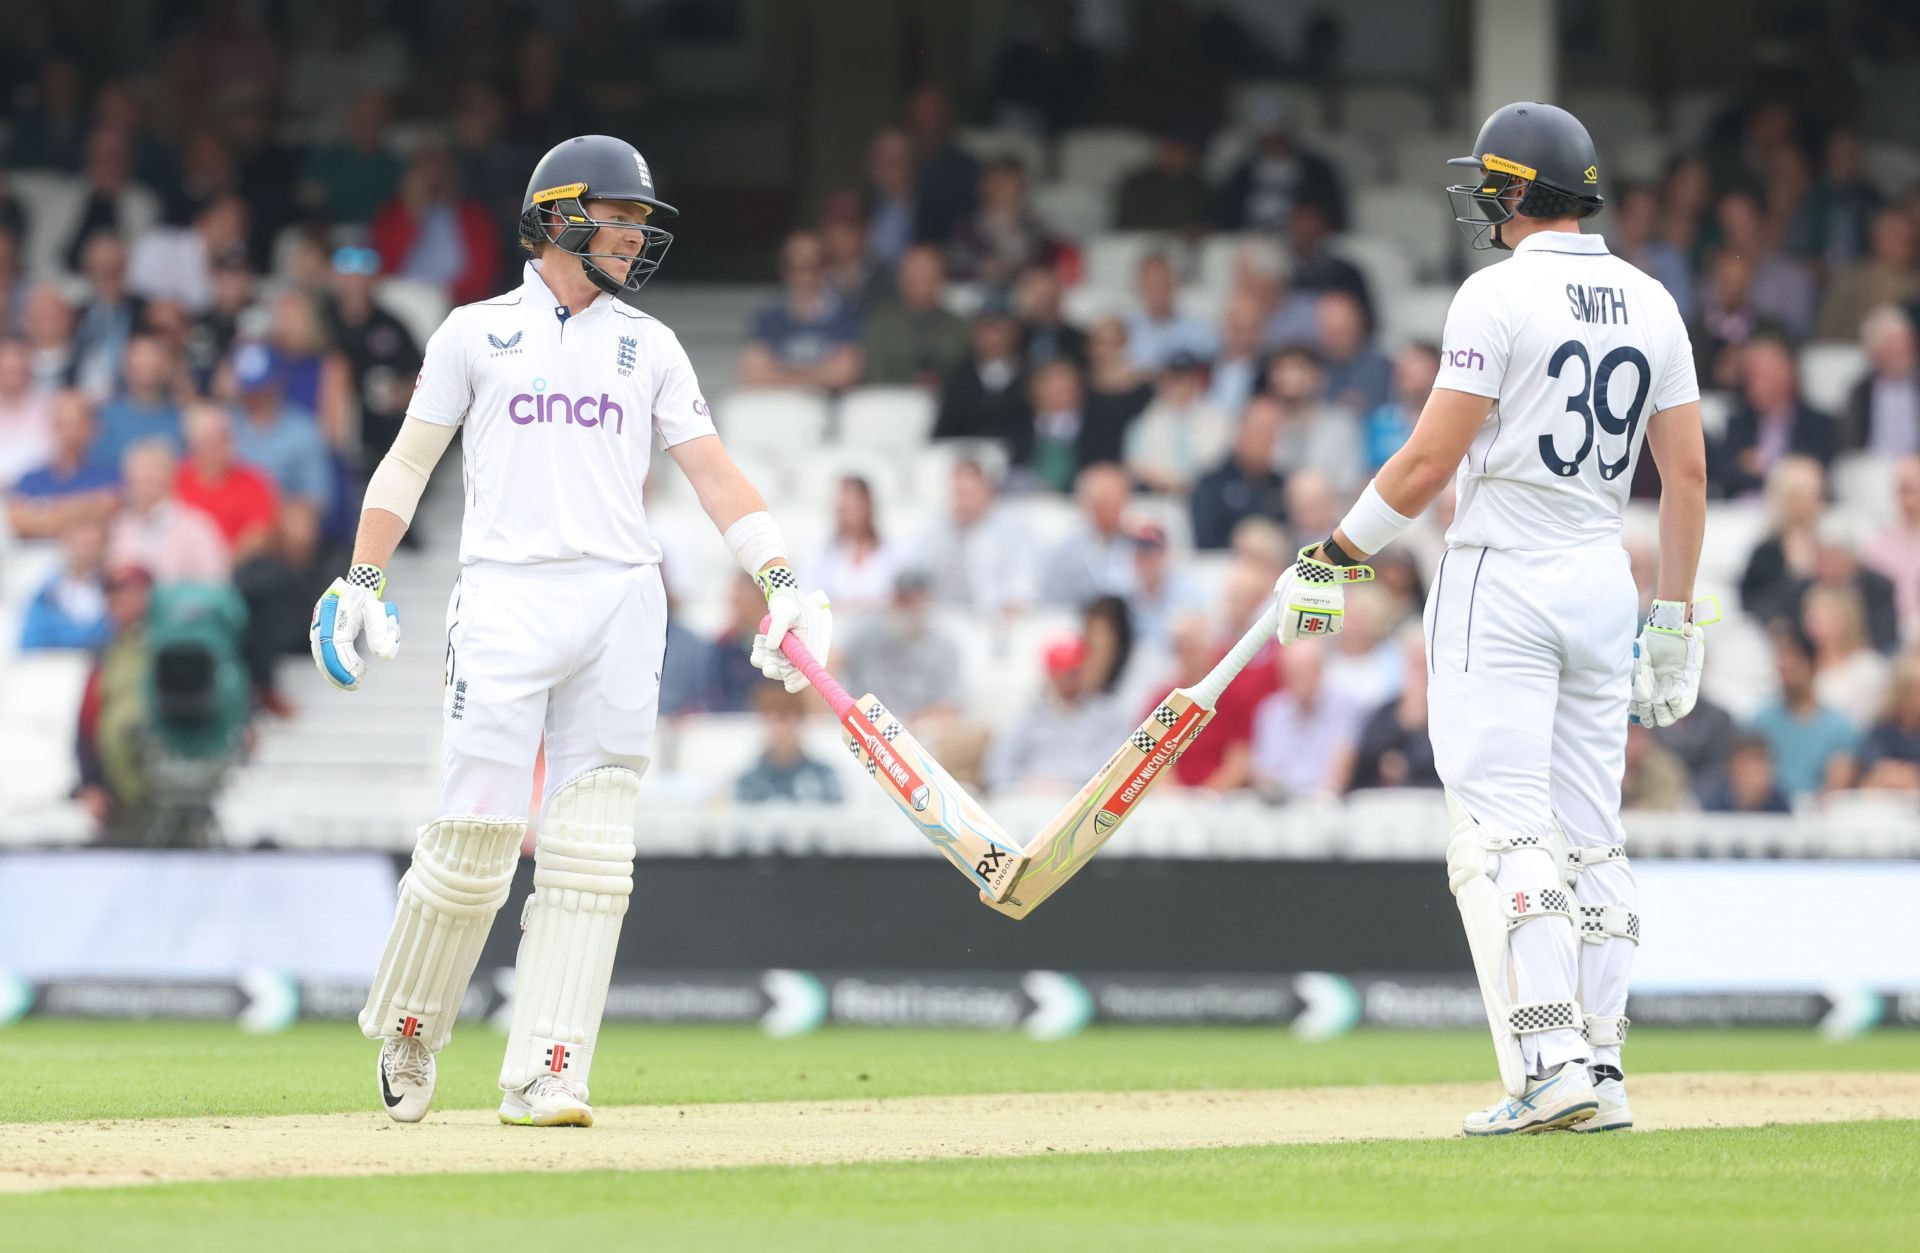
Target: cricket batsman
[(556, 627), (1557, 363)]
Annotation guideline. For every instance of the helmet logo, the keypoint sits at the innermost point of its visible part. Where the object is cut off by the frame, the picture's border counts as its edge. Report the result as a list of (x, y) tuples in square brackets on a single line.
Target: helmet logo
[(1500, 165), (1591, 174), (646, 177)]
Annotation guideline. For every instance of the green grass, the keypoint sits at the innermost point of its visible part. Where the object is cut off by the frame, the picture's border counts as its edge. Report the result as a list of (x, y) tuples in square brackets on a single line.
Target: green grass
[(67, 1070), (1852, 1186)]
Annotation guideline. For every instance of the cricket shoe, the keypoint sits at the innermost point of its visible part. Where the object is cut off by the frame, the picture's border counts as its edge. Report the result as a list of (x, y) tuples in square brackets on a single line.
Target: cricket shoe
[(549, 1101), (1611, 1090), (406, 1077), (1552, 1101)]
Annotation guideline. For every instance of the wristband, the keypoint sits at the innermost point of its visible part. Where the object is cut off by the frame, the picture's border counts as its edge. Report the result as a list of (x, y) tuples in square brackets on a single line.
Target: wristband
[(1330, 550), (775, 578), (368, 576), (754, 541), (1372, 523)]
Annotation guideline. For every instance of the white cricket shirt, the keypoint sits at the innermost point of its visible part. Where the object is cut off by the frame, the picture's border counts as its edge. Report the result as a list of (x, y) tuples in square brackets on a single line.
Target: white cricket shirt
[(560, 414), (1577, 349)]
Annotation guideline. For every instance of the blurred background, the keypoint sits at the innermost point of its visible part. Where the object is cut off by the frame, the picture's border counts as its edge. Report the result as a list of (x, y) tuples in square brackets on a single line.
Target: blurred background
[(1050, 331)]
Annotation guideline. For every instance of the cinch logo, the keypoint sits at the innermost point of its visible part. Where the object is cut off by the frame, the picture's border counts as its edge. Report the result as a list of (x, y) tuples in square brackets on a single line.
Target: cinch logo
[(1465, 359), (540, 405)]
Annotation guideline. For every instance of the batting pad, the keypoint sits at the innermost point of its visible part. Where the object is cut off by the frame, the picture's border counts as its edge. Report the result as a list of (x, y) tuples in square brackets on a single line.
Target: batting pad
[(461, 873), (582, 877)]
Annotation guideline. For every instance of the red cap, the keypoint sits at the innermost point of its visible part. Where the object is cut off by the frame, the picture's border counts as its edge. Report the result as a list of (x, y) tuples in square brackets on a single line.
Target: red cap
[(1064, 654)]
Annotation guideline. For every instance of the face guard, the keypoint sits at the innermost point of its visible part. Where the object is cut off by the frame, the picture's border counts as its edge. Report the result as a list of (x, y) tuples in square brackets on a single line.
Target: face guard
[(1478, 207), (558, 216)]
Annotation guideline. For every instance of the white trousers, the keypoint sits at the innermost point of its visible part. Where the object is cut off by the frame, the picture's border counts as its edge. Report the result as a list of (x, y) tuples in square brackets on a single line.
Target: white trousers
[(1531, 660), (568, 649)]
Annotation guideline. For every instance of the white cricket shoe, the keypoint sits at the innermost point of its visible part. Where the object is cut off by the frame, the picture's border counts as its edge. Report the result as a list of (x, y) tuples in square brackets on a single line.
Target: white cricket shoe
[(1550, 1102), (1613, 1114), (406, 1077), (549, 1101)]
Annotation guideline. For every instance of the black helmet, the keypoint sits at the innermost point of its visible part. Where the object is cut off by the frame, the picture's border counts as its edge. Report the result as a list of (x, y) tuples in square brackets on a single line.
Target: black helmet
[(1540, 144), (594, 167)]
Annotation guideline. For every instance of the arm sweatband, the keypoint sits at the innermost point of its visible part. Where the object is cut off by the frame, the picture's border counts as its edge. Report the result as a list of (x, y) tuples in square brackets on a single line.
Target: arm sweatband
[(402, 474), (755, 540), (1372, 523)]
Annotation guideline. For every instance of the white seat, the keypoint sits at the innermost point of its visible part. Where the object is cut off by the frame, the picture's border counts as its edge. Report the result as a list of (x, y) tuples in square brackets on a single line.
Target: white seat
[(988, 142), (420, 307), (1419, 313), (1828, 373), (1113, 259), (1378, 112), (1894, 168), (1715, 407), (894, 419), (1640, 157), (1863, 485), (1410, 216), (52, 200), (719, 747), (1102, 156), (773, 421), (1074, 210), (1218, 254)]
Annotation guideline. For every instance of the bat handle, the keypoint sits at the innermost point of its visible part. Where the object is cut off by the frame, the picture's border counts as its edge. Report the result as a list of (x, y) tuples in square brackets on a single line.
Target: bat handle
[(823, 683)]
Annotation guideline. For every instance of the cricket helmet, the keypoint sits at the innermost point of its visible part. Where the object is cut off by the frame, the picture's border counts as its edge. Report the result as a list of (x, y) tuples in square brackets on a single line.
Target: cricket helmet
[(595, 167), (1539, 146)]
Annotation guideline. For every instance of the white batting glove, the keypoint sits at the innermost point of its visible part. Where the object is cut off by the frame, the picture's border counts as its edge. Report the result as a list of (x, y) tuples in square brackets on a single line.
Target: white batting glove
[(807, 615), (1667, 659), (1313, 596), (348, 607)]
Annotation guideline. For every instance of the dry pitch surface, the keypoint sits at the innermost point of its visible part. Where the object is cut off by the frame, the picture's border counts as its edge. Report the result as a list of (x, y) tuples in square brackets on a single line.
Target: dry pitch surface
[(40, 1156)]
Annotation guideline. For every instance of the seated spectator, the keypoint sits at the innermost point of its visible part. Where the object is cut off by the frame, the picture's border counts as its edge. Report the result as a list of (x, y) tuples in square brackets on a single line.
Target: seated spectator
[(1887, 275), (382, 357), (907, 659), (1788, 178), (1045, 334), (986, 396), (1358, 376), (1883, 411), (106, 317), (1003, 237), (176, 263), (1843, 201), (912, 338), (111, 201), (1812, 745), (1836, 565), (114, 712), (731, 679), (311, 374), (206, 174), (71, 487), (1313, 509), (1162, 590), (1217, 761), (1633, 235), (1236, 371), (1120, 667), (1066, 437), (889, 197), (946, 189), (26, 414), (284, 443), (1157, 330), (156, 531), (1386, 426), (784, 771), (1182, 433), (346, 181), (1363, 662), (1895, 552), (978, 554), (1747, 786), (1654, 778), (1303, 733), (213, 333), (857, 568), (50, 127), (431, 232), (1771, 421), (1246, 485), (48, 330), (1045, 77), (1263, 191), (1117, 389), (1848, 675), (1783, 289), (1702, 741), (1890, 754), (13, 279), (1313, 269), (1168, 194), (861, 282), (1313, 434), (1096, 559), (1784, 560), (809, 339), (1399, 594), (70, 609), (1056, 743), (1727, 322), (1393, 748), (144, 408), (1287, 317)]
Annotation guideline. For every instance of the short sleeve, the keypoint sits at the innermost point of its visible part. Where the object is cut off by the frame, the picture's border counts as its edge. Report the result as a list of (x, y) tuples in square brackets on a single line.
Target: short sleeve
[(1678, 384), (680, 413), (443, 390), (1479, 336)]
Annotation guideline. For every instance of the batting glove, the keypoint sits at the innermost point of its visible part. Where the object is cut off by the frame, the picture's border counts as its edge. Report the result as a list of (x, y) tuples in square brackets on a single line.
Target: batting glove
[(1313, 596), (1667, 659), (348, 607), (807, 615)]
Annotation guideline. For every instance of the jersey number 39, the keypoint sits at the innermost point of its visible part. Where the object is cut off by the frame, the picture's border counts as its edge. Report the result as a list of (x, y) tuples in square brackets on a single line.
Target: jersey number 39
[(1592, 403)]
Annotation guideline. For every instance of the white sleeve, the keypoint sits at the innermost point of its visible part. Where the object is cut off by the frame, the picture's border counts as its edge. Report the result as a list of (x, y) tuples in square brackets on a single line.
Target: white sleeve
[(1677, 384), (1474, 349), (680, 413), (443, 391)]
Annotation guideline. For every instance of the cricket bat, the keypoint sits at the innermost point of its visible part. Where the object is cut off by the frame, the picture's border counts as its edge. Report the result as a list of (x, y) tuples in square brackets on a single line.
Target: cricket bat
[(940, 808), (1089, 820)]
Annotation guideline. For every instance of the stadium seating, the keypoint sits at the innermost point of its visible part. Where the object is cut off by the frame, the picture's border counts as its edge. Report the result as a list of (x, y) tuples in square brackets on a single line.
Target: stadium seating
[(890, 420), (772, 421), (1828, 373)]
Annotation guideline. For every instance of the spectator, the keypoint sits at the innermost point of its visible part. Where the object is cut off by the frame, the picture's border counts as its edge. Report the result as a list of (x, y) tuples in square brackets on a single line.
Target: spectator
[(1883, 411), (1096, 559), (1045, 334), (1386, 426), (71, 487), (49, 336), (106, 319), (381, 355), (177, 263), (1217, 761), (784, 772), (212, 335), (857, 569), (861, 283), (542, 82), (1635, 237), (1781, 564), (1313, 508), (977, 555), (156, 531), (1364, 663), (986, 397), (1885, 276), (207, 174), (1895, 552), (1393, 748), (1848, 675), (1162, 591), (731, 679), (684, 670), (947, 185), (1783, 288), (1170, 194), (1811, 744), (1313, 435), (1357, 376), (493, 167), (50, 127), (889, 197), (1116, 664), (1058, 741), (432, 233), (1771, 422), (283, 442), (1062, 440), (1843, 201), (1789, 180), (310, 374), (1686, 192), (1303, 733), (1236, 371), (913, 339), (1044, 77), (1728, 321), (144, 408), (809, 339), (904, 654), (1653, 779), (348, 180), (1181, 434), (1117, 389), (1280, 175), (1748, 786), (26, 414), (1890, 754), (1002, 237), (114, 711), (1702, 741), (111, 201), (70, 609), (1246, 484), (1399, 594), (1836, 565), (1312, 268), (13, 279), (1157, 330), (357, 55)]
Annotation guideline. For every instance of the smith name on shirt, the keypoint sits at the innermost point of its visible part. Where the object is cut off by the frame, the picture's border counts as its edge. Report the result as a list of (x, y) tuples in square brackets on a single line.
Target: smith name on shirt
[(1597, 303)]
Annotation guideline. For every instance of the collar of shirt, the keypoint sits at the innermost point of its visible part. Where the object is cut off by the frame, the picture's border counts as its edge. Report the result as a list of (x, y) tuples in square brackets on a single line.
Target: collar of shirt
[(537, 293), (1562, 241)]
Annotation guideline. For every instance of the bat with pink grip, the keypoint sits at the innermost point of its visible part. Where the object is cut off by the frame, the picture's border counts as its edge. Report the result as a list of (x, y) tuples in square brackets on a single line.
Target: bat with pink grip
[(816, 673)]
